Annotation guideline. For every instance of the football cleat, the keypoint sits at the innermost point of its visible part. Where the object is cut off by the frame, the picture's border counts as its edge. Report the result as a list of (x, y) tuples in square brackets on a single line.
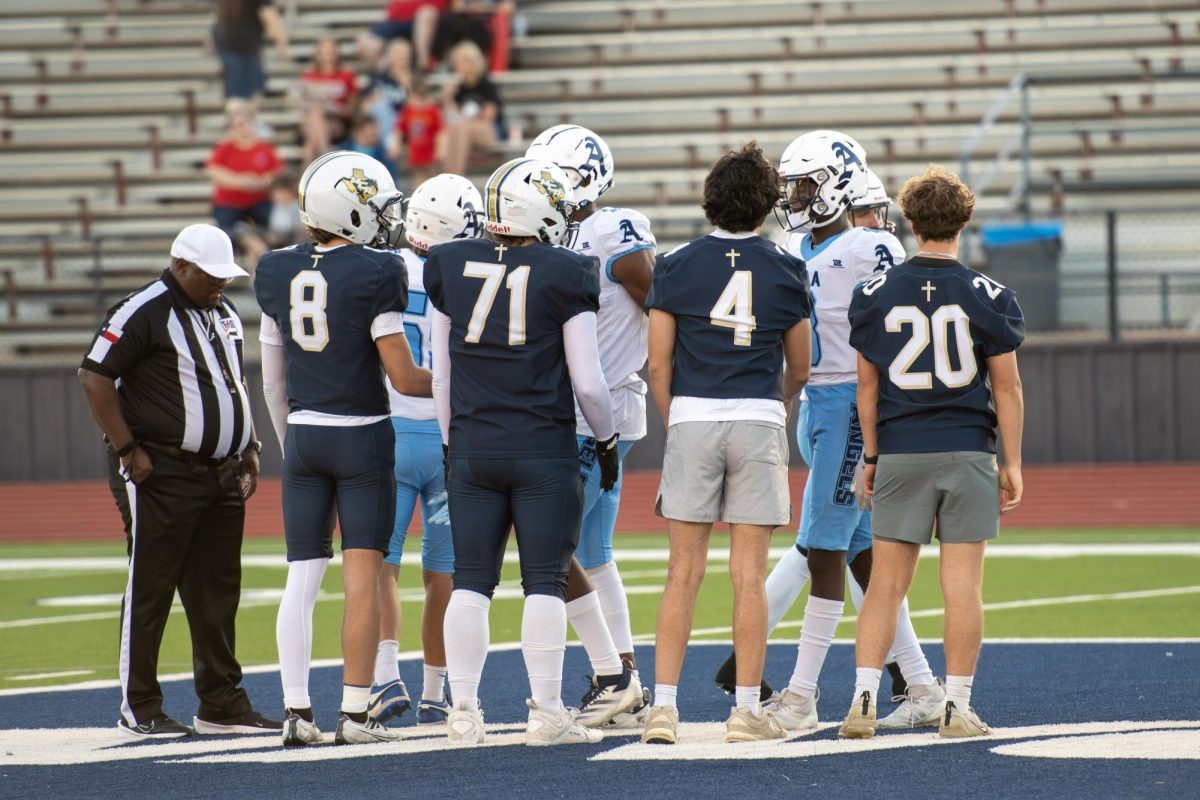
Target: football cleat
[(608, 696), (432, 712), (160, 727), (923, 706), (744, 725), (961, 724), (247, 722), (350, 731), (726, 679), (465, 725), (899, 685), (793, 711), (661, 726), (298, 732), (635, 717), (388, 701), (546, 727), (860, 722)]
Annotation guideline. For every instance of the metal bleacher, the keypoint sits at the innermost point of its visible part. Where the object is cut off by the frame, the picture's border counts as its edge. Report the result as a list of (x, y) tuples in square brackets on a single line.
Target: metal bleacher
[(108, 109)]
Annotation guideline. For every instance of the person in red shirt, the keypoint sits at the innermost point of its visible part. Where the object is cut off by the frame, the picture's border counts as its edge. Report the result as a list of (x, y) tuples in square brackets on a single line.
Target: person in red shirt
[(328, 97), (418, 127), (241, 167)]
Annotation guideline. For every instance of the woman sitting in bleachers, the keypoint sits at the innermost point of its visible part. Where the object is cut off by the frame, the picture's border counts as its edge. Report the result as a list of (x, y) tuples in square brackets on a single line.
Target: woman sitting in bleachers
[(472, 108), (328, 99)]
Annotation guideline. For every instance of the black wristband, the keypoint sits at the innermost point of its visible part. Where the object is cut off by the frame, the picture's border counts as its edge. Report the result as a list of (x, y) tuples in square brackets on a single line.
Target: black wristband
[(129, 448), (870, 459)]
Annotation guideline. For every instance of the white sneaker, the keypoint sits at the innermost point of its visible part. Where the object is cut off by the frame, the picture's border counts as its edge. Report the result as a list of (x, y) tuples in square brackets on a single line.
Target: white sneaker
[(793, 711), (633, 719), (464, 725), (603, 702), (298, 732), (923, 707), (351, 732), (557, 727)]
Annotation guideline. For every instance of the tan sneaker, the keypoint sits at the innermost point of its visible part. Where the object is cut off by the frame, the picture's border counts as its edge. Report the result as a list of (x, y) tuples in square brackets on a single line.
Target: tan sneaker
[(961, 723), (662, 725), (744, 725), (860, 722)]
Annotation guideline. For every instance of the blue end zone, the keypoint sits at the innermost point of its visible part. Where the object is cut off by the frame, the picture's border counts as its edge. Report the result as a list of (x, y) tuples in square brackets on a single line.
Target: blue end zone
[(1018, 685)]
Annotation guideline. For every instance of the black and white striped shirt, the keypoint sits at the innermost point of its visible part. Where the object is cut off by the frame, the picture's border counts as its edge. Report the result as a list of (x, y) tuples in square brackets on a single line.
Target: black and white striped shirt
[(178, 369)]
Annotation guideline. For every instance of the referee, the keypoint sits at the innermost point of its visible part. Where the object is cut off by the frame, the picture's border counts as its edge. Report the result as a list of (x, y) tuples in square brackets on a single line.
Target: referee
[(165, 382)]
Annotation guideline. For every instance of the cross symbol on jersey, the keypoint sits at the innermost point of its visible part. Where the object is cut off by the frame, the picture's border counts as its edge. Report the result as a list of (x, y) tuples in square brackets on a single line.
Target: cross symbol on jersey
[(928, 289), (500, 248), (732, 255)]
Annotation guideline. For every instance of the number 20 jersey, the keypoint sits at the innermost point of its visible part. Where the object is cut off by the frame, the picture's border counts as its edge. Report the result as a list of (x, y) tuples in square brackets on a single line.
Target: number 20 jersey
[(929, 325), (510, 392), (329, 306)]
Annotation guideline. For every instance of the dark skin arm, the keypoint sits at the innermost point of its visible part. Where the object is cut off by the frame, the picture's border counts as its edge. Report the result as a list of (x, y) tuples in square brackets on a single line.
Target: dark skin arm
[(105, 403), (635, 272)]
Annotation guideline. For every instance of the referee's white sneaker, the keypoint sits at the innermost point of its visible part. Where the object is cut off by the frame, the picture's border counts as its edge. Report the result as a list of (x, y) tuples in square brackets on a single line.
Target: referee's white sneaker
[(923, 707), (350, 731), (298, 732), (548, 727)]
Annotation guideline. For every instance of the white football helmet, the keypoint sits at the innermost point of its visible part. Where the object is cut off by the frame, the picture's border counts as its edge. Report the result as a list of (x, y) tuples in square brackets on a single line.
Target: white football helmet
[(824, 172), (529, 197), (582, 155), (876, 198), (353, 196), (443, 208)]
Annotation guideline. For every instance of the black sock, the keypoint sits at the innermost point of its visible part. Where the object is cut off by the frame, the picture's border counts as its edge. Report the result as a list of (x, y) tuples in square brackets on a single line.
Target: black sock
[(358, 716), (303, 713)]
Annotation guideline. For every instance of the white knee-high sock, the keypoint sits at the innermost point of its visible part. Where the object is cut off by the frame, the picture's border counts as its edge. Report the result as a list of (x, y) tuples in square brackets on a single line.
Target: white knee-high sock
[(587, 619), (784, 585), (543, 643), (907, 652), (856, 596), (467, 635), (611, 591), (387, 668), (293, 628), (821, 618)]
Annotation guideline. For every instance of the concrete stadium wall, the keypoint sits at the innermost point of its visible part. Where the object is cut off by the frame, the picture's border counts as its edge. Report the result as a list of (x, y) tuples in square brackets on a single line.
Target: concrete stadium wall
[(1084, 404)]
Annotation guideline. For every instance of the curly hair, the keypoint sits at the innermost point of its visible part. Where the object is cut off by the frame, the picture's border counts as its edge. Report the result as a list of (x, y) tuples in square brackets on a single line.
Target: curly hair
[(741, 189), (937, 204)]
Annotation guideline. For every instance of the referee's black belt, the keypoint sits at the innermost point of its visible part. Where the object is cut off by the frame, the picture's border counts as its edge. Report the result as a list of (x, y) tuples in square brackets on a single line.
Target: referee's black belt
[(194, 460)]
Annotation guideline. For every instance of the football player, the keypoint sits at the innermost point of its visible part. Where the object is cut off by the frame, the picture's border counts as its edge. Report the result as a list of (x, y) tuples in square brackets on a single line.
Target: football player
[(937, 376), (872, 209), (332, 320), (728, 311), (442, 209), (514, 334), (824, 170), (620, 238)]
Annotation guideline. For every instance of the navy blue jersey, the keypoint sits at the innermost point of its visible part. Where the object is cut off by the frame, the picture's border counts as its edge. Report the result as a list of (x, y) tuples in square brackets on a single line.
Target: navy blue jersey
[(930, 325), (325, 305), (732, 300), (510, 393)]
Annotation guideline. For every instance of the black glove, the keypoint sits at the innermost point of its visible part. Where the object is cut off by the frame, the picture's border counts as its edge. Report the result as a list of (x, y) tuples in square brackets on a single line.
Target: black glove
[(610, 462), (446, 466)]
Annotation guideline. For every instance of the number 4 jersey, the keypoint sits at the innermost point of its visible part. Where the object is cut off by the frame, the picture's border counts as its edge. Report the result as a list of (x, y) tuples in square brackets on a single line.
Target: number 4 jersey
[(327, 308), (929, 326)]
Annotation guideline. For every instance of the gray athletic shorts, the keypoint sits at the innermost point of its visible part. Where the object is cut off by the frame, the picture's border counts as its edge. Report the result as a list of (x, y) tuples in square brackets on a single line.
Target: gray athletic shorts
[(959, 491), (734, 472)]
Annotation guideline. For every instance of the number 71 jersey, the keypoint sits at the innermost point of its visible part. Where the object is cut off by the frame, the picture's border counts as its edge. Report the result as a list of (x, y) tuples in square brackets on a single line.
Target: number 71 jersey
[(929, 326)]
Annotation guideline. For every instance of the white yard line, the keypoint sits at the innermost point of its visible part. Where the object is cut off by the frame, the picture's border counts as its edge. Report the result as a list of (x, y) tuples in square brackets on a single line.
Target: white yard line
[(69, 673)]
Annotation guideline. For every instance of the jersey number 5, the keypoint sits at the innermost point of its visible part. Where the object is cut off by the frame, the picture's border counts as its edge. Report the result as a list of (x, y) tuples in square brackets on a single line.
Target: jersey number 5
[(309, 293), (734, 308), (517, 284), (939, 324)]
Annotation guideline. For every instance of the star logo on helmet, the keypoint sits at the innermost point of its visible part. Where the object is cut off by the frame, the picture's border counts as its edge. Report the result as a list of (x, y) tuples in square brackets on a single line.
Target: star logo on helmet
[(547, 185), (360, 185)]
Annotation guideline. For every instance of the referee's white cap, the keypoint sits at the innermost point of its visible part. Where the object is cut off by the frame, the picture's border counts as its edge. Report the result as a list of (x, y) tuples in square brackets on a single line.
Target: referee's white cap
[(210, 249)]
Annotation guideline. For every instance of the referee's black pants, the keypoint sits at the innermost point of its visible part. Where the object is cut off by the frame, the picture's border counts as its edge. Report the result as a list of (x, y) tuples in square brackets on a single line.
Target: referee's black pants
[(183, 530)]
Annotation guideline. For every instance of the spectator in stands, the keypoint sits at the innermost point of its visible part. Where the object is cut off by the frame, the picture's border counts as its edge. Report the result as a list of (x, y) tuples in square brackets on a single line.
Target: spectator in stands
[(237, 36), (386, 94), (328, 98), (365, 138), (284, 227), (467, 21), (472, 108), (417, 132), (242, 167), (414, 20)]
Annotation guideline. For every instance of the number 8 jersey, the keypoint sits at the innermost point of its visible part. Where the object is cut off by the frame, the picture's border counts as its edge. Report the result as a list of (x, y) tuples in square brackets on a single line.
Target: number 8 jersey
[(327, 308), (929, 326)]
